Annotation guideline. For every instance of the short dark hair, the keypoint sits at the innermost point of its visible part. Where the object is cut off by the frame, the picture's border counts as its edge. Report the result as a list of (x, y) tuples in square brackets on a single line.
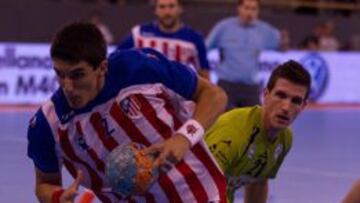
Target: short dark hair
[(79, 41), (292, 71), (180, 2), (242, 1)]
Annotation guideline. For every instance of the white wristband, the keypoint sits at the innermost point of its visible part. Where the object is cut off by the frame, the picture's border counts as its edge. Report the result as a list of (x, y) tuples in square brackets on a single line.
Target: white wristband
[(192, 130)]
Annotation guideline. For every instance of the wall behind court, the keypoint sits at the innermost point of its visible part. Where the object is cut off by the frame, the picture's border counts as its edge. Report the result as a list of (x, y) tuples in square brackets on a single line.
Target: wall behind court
[(37, 20)]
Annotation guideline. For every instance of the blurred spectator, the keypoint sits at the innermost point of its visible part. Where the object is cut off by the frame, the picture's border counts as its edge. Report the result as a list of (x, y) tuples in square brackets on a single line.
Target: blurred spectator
[(240, 40), (322, 38), (169, 35), (310, 43), (327, 39), (97, 20)]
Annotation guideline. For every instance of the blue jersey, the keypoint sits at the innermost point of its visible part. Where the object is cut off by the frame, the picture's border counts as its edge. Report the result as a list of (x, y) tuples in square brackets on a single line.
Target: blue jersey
[(144, 100), (185, 45)]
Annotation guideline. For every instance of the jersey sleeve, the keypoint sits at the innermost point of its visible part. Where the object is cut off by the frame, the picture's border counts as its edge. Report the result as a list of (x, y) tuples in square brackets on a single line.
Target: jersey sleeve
[(41, 144), (287, 147), (126, 43)]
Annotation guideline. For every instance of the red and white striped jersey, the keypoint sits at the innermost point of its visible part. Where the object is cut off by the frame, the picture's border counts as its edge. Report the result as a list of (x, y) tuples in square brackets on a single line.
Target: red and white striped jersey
[(144, 113), (185, 45)]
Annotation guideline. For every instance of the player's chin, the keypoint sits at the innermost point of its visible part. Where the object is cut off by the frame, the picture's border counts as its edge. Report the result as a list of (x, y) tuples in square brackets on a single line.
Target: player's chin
[(281, 124), (168, 22), (76, 103)]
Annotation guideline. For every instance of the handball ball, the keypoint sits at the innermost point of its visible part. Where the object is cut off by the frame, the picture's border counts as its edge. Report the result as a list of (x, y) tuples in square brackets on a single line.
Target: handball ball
[(129, 171)]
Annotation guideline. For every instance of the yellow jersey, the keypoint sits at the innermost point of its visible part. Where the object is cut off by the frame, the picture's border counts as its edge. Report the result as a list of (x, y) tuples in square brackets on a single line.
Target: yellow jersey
[(239, 143)]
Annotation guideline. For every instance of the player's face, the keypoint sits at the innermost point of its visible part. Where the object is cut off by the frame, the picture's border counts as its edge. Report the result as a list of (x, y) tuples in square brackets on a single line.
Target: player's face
[(79, 82), (248, 11), (283, 104), (168, 13)]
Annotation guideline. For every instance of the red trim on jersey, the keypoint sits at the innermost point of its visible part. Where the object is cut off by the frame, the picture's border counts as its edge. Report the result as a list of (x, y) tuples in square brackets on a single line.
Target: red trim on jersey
[(165, 131), (149, 198), (96, 181), (169, 188), (70, 167), (109, 142), (100, 165), (178, 53), (214, 171), (170, 109), (136, 136), (140, 43), (152, 43), (200, 153), (126, 124), (150, 113), (193, 181)]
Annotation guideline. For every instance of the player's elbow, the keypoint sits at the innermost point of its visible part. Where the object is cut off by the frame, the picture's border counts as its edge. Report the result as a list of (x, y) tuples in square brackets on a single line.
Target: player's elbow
[(220, 98)]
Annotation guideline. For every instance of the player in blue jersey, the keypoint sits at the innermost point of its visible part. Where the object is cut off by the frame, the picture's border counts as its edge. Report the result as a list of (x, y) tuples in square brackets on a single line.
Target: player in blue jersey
[(133, 96), (169, 35)]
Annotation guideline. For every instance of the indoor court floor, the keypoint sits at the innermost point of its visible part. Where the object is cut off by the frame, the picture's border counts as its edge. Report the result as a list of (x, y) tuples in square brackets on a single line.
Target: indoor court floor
[(320, 168)]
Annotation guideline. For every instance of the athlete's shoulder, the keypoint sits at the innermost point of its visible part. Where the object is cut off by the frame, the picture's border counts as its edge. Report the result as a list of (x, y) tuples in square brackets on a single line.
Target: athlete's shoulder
[(233, 20), (265, 26), (123, 58), (287, 136), (147, 28), (38, 120), (191, 31), (233, 116)]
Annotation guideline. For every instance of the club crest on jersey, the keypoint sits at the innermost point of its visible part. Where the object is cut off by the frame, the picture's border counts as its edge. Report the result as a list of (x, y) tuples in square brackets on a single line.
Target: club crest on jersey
[(82, 143), (131, 107), (278, 150)]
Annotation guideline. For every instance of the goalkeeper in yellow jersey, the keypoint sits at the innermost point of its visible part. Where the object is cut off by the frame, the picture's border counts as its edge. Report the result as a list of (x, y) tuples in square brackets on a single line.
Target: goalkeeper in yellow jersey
[(251, 143)]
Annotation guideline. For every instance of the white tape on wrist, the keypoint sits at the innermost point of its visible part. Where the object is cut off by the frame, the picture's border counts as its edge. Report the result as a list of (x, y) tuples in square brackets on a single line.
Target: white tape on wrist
[(192, 130)]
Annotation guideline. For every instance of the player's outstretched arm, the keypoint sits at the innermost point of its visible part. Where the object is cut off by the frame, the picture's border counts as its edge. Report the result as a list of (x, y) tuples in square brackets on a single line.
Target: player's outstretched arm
[(256, 192), (49, 190), (210, 103), (353, 196)]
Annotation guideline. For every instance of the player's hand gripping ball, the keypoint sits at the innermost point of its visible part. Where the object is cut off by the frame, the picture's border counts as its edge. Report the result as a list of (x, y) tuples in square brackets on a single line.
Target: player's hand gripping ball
[(129, 171)]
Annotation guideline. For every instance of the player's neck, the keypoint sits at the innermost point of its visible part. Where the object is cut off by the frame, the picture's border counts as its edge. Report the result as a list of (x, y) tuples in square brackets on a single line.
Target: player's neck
[(271, 134)]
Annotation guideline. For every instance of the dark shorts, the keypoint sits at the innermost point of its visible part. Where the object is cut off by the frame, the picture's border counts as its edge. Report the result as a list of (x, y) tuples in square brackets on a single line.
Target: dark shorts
[(240, 94)]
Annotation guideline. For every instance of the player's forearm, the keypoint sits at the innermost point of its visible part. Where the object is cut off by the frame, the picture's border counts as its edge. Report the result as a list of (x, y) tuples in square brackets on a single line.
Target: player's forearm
[(46, 185), (353, 195), (45, 191), (210, 104), (256, 192)]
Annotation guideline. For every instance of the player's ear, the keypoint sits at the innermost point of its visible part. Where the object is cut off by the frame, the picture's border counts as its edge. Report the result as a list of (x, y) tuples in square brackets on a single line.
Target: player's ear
[(103, 67), (266, 92)]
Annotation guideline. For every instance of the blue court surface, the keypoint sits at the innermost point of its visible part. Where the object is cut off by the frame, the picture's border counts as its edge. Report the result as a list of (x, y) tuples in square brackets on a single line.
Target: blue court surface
[(323, 163)]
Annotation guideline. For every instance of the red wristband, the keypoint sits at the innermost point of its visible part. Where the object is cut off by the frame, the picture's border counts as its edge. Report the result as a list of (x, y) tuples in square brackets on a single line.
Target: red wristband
[(55, 198)]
